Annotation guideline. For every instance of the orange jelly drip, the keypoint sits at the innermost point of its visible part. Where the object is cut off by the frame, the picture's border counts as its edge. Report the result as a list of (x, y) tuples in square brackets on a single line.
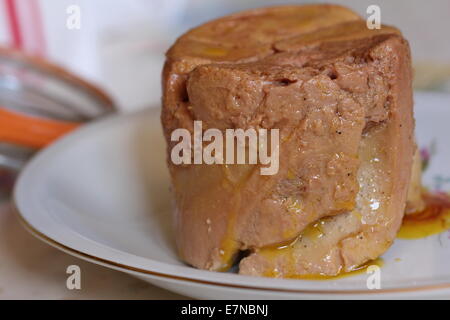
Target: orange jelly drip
[(434, 219)]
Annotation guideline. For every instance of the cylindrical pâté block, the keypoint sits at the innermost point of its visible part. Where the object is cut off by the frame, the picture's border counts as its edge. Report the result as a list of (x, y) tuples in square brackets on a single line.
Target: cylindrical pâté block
[(340, 95)]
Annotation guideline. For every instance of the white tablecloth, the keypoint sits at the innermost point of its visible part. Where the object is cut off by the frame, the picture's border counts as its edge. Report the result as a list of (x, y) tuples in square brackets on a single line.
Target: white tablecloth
[(31, 269)]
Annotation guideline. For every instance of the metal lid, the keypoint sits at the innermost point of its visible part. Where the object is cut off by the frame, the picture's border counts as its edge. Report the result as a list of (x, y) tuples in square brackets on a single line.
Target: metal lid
[(39, 102)]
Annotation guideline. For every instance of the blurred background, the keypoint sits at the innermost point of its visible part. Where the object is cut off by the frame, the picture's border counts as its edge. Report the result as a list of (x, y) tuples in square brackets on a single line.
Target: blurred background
[(120, 44)]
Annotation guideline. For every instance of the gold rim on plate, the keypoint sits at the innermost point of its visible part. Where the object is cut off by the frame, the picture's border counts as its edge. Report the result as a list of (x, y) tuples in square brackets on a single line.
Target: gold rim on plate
[(124, 267)]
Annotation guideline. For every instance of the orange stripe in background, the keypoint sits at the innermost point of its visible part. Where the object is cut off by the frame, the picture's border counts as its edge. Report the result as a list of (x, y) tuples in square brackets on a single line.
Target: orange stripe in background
[(29, 131)]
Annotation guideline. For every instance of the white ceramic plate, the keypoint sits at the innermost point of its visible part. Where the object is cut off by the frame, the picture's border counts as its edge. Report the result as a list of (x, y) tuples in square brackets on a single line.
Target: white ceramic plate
[(102, 194)]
